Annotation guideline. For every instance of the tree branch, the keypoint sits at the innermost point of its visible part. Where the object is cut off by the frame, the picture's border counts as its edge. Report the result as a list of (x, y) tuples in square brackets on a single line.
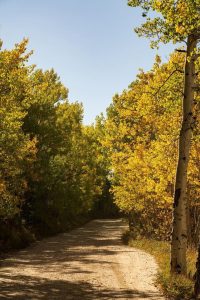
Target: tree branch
[(157, 91), (196, 88), (163, 84), (181, 50)]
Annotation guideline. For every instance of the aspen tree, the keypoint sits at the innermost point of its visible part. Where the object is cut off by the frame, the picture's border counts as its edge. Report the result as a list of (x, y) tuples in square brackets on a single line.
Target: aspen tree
[(180, 23)]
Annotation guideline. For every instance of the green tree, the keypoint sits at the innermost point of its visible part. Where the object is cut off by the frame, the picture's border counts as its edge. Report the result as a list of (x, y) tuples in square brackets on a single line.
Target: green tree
[(52, 167), (14, 144)]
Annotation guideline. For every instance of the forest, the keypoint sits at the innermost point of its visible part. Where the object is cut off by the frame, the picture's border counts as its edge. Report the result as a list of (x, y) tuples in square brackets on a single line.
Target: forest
[(140, 161)]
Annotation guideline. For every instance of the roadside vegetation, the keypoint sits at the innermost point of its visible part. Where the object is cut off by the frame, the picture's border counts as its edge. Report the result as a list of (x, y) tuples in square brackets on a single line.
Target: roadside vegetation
[(53, 171), (173, 286)]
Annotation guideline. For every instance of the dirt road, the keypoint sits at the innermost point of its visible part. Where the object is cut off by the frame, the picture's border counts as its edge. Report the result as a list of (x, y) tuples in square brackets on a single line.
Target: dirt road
[(88, 263)]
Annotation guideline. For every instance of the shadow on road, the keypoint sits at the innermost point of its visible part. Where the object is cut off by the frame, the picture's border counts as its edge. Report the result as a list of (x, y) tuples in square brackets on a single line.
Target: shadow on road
[(30, 274), (66, 247), (34, 288)]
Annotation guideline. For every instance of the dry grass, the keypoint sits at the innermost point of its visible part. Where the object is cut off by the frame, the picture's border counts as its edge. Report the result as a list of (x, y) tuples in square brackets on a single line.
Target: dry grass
[(174, 287)]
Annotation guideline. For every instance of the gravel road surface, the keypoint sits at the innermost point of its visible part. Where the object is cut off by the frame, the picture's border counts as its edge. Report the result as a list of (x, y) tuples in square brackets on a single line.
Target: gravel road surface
[(88, 263)]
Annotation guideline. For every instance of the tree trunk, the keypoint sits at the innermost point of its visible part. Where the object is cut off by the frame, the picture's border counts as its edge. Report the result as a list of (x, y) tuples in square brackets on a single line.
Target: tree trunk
[(179, 231), (189, 223), (197, 277)]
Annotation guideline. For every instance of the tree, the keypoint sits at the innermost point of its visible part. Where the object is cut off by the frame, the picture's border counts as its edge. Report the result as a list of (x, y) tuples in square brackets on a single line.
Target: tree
[(14, 144), (65, 178), (143, 149), (52, 167), (179, 22)]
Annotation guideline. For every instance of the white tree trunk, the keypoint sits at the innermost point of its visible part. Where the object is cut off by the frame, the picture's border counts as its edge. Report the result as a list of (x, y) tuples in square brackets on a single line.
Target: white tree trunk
[(179, 231)]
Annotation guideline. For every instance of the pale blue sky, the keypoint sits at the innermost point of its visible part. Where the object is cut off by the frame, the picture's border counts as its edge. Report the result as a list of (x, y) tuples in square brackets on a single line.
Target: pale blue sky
[(89, 43)]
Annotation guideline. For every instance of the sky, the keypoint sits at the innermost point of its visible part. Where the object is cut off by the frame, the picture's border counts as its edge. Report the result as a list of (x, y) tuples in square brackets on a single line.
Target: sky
[(91, 45)]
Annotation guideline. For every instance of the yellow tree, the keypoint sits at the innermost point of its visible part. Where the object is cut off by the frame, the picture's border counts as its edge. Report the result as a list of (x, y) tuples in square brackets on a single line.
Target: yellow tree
[(179, 22), (143, 149)]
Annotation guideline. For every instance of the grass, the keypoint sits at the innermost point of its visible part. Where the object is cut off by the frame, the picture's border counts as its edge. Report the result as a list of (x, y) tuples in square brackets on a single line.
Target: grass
[(174, 286)]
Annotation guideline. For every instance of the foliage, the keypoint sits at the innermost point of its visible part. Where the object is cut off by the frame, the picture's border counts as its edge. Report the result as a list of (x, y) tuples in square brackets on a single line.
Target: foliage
[(52, 167), (142, 130), (174, 20), (177, 21), (14, 145)]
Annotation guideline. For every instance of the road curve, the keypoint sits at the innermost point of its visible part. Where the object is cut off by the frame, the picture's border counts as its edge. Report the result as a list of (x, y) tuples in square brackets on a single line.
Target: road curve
[(88, 263)]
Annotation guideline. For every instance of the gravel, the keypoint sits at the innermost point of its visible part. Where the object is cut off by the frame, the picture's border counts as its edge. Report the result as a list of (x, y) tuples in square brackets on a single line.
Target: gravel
[(88, 263)]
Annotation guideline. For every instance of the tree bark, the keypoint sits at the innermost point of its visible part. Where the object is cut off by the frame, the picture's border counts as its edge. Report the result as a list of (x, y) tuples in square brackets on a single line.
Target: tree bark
[(179, 230), (197, 277)]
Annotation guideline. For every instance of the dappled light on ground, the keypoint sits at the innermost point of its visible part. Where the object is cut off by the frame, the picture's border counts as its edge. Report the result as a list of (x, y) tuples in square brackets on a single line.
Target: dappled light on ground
[(86, 263)]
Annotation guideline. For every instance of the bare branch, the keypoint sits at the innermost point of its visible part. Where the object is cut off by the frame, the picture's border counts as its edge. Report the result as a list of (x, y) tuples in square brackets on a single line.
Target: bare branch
[(180, 71), (157, 91), (196, 88), (181, 50), (196, 56), (163, 84)]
